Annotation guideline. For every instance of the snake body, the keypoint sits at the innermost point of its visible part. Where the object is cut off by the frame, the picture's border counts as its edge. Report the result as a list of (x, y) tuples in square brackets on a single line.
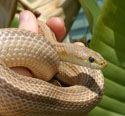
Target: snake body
[(24, 96)]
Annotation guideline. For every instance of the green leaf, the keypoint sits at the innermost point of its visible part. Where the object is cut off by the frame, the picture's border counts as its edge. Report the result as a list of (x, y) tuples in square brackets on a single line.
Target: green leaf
[(15, 22), (109, 40), (92, 11)]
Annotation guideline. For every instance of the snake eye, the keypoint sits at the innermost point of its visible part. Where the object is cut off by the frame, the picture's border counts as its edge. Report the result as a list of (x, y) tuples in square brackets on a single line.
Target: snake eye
[(91, 59)]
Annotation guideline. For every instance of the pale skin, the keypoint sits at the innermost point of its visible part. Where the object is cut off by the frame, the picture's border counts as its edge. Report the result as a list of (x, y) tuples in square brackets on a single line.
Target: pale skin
[(28, 21)]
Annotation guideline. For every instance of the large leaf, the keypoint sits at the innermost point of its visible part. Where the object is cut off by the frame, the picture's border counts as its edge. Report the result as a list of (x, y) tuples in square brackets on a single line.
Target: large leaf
[(109, 40)]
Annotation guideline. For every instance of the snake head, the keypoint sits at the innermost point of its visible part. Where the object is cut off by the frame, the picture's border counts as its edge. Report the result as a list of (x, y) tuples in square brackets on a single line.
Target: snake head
[(89, 58), (80, 55), (96, 61)]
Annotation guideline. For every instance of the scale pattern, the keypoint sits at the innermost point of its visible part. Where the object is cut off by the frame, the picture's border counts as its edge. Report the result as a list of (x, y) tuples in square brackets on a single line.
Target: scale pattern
[(23, 96)]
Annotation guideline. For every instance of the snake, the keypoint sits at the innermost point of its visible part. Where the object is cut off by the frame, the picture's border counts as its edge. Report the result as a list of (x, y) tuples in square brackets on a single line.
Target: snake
[(77, 66)]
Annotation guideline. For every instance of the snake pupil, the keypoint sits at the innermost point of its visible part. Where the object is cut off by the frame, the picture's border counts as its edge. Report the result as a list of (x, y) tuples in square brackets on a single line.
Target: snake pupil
[(91, 59)]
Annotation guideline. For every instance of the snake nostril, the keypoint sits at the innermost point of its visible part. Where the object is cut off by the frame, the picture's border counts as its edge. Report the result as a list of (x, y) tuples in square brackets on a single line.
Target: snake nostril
[(103, 64)]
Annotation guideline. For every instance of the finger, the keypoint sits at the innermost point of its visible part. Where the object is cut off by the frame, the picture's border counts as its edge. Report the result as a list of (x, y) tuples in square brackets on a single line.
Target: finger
[(28, 21), (22, 70), (58, 27)]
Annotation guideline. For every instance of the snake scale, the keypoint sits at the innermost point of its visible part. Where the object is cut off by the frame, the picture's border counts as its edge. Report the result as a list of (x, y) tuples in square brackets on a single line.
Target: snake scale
[(75, 65)]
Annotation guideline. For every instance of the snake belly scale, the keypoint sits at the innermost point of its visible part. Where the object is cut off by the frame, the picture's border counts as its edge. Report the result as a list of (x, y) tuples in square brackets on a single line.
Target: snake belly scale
[(24, 96)]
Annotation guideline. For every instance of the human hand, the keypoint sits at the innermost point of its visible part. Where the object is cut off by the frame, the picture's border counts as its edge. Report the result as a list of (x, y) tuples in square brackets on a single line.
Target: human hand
[(28, 21)]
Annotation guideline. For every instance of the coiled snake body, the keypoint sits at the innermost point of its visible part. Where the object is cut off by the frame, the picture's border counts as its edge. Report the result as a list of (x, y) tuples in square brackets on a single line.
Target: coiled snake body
[(24, 96)]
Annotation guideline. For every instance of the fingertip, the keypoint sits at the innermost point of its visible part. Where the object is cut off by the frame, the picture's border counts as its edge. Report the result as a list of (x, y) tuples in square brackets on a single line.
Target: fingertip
[(79, 43), (58, 27), (22, 71), (28, 21)]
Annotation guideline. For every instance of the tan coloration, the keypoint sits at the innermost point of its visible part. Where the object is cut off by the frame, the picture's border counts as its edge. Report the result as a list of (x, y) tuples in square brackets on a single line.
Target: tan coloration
[(22, 96), (48, 34), (28, 49)]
